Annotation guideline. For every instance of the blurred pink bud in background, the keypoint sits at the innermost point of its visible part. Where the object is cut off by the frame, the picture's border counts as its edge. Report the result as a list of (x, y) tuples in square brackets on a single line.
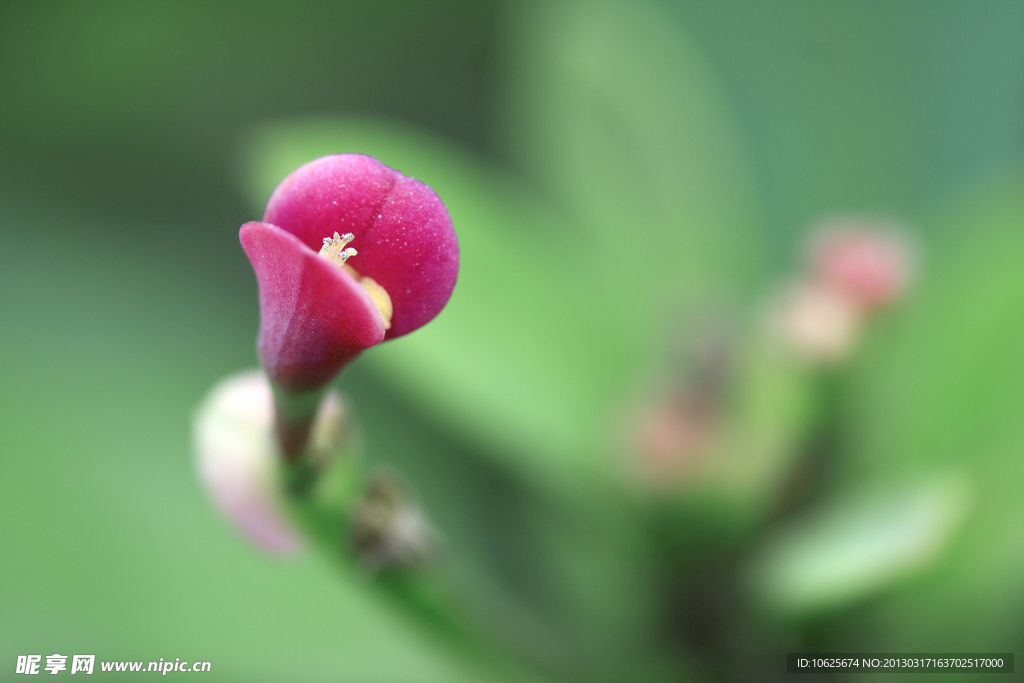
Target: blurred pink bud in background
[(856, 266), (867, 259)]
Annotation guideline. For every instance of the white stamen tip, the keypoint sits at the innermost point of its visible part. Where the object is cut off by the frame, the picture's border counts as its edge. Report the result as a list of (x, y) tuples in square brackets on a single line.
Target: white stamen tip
[(333, 249)]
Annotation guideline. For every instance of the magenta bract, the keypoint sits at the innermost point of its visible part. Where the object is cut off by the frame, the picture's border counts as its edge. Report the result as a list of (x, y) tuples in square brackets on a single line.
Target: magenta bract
[(315, 316), (403, 233)]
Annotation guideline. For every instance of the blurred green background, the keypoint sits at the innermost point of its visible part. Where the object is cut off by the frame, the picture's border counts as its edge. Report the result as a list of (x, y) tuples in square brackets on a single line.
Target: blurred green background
[(619, 173)]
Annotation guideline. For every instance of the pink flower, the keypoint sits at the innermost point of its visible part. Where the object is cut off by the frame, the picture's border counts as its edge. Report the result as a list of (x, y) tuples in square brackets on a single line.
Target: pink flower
[(867, 259), (856, 266), (322, 301)]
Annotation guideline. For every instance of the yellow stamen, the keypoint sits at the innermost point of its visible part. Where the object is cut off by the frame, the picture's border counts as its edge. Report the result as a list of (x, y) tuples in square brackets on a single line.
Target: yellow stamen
[(380, 298), (334, 250)]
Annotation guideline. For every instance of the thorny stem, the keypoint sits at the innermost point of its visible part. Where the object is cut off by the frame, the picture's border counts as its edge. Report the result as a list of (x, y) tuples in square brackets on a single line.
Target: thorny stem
[(421, 590)]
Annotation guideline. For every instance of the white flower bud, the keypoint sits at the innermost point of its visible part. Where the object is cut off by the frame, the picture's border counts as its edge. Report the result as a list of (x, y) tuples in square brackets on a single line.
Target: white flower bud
[(819, 322), (235, 456)]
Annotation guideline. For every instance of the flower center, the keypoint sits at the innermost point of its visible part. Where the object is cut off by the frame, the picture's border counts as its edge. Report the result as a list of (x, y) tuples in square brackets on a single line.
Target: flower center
[(335, 251)]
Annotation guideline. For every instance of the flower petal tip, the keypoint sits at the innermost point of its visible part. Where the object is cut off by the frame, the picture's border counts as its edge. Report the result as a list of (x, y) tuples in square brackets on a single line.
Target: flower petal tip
[(314, 316)]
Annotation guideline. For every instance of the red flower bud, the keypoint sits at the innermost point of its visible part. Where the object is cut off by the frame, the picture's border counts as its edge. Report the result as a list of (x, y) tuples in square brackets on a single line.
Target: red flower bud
[(321, 303)]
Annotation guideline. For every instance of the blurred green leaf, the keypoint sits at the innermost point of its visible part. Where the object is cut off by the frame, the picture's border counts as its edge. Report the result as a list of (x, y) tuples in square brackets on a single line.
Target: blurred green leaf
[(618, 118), (944, 387), (835, 557), (956, 349)]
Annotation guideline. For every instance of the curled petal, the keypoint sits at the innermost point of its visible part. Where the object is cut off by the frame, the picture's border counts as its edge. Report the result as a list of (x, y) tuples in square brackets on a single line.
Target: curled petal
[(403, 233), (314, 317)]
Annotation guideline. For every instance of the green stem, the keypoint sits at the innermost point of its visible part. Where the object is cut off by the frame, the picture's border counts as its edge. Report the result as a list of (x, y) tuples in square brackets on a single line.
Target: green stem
[(293, 420), (323, 496)]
